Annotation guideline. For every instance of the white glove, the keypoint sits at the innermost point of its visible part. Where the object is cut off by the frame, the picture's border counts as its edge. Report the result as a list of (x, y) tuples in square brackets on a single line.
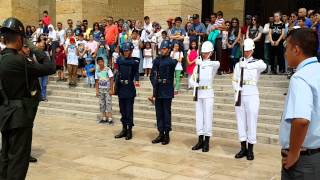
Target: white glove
[(195, 85), (198, 60), (243, 64)]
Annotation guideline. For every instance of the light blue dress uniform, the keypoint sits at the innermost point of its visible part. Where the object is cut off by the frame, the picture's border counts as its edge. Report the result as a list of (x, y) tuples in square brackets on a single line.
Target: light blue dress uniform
[(303, 101)]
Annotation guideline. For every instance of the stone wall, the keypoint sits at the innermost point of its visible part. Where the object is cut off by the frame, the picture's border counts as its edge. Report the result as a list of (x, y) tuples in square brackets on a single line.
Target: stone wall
[(230, 8), (160, 11), (69, 9)]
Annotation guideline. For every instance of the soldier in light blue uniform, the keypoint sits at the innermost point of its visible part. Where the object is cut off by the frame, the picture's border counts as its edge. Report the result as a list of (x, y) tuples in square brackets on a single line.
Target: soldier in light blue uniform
[(300, 125)]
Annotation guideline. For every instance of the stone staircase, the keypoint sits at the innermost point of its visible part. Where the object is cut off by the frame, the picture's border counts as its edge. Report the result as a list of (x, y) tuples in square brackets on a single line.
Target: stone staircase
[(80, 102)]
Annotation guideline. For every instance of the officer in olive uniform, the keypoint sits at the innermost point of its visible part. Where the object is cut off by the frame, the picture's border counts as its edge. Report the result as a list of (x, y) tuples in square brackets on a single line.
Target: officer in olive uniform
[(19, 100), (128, 72), (162, 77)]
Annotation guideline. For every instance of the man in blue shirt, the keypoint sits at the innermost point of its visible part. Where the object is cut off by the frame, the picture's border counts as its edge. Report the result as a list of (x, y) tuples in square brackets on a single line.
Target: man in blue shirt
[(197, 29), (178, 33), (303, 13), (300, 125)]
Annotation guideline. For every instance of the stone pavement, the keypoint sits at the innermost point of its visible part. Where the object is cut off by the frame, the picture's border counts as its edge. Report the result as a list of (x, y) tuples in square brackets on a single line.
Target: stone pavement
[(74, 149)]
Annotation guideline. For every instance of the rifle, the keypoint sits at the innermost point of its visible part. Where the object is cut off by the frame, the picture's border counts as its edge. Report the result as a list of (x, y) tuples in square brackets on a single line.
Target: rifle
[(238, 95), (196, 89)]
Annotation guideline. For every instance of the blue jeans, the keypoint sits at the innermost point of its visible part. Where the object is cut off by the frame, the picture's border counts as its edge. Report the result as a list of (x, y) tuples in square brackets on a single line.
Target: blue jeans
[(43, 83)]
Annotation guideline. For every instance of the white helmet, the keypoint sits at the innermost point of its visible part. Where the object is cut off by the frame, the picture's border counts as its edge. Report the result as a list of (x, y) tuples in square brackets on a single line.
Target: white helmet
[(248, 44), (207, 47)]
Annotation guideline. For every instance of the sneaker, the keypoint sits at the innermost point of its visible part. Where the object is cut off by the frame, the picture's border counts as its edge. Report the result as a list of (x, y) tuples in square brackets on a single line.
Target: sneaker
[(103, 121), (110, 122)]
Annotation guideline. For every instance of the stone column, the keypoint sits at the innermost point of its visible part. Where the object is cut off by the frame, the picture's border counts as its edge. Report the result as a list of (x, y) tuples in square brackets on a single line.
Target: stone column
[(230, 8), (160, 11)]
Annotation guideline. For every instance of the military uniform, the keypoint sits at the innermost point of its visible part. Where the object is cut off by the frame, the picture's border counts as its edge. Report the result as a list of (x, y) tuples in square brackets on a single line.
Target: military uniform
[(162, 77), (247, 113), (19, 102), (205, 102), (128, 72)]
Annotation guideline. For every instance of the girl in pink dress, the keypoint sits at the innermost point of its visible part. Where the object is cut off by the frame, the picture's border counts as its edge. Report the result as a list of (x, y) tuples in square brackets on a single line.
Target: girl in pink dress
[(192, 55)]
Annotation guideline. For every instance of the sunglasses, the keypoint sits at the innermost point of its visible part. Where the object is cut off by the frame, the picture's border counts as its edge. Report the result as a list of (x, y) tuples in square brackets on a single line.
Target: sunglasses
[(234, 22), (253, 19)]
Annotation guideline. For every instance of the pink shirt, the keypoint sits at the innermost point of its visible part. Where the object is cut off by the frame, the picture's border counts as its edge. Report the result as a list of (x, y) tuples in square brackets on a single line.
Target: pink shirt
[(92, 46), (46, 20)]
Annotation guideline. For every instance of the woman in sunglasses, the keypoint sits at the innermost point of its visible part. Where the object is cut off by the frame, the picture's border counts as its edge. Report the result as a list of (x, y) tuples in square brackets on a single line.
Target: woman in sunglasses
[(255, 32)]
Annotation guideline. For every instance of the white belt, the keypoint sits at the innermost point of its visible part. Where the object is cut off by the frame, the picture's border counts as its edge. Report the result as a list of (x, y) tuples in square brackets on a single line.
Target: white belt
[(248, 82)]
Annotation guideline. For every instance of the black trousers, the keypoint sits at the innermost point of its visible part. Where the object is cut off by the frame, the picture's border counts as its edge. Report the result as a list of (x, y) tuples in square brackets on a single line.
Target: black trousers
[(163, 113), (15, 153), (218, 49), (126, 111), (306, 168), (277, 51)]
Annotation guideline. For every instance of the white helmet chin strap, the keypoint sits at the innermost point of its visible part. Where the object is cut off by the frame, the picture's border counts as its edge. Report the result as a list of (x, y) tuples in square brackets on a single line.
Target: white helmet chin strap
[(209, 55)]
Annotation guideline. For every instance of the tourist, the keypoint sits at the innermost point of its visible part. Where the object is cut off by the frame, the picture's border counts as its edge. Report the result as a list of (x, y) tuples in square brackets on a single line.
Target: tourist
[(234, 37), (177, 54), (97, 34), (192, 55), (111, 35), (46, 19), (60, 59), (225, 60), (255, 32), (72, 62), (267, 43), (90, 70), (197, 29), (147, 61)]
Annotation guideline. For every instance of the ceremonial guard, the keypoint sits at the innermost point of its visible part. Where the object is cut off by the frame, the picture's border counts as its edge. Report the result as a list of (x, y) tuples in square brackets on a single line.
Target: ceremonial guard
[(19, 99), (126, 79), (162, 77), (202, 81), (245, 83)]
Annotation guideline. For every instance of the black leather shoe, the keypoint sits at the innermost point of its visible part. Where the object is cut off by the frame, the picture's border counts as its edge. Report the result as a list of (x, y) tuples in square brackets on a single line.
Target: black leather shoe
[(243, 152), (199, 145), (122, 134), (166, 139), (129, 134), (33, 159), (250, 155), (205, 147), (158, 139)]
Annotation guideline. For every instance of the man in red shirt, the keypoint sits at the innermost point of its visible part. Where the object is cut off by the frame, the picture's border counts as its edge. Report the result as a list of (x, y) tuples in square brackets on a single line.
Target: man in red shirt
[(46, 21), (111, 35)]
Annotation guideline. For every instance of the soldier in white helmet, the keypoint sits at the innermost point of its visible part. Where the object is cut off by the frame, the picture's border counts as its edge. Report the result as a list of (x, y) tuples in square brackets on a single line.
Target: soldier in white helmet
[(203, 80), (247, 112)]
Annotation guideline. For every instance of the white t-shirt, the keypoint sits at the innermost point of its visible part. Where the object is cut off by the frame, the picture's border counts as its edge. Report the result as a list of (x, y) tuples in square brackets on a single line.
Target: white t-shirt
[(177, 56), (92, 46), (72, 57), (104, 77), (84, 42), (115, 56), (61, 38)]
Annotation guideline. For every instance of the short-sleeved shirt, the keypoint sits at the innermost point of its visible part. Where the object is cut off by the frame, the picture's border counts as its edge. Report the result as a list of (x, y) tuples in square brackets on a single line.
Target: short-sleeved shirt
[(199, 28), (104, 77), (93, 46), (178, 31), (276, 30), (254, 31), (72, 57), (111, 32), (88, 68), (303, 101), (307, 22)]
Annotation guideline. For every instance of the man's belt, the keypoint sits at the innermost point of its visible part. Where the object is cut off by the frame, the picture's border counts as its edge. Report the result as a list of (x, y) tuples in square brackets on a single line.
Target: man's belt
[(124, 82), (163, 81), (204, 87), (303, 152), (248, 82)]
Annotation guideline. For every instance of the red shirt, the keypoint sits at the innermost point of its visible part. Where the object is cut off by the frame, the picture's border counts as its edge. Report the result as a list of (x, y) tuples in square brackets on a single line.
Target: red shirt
[(111, 32), (60, 57), (244, 29), (46, 20)]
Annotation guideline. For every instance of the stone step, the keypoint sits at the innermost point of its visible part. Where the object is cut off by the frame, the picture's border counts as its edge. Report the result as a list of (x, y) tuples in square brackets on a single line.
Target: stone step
[(263, 77), (216, 83), (92, 99), (183, 94), (218, 106), (268, 119), (144, 122), (146, 86), (185, 116)]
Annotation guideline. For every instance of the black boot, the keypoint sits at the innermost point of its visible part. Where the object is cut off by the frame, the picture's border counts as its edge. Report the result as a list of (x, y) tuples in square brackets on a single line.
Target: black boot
[(166, 138), (123, 133), (243, 152), (158, 139), (32, 159), (205, 147), (250, 155), (199, 145), (129, 133)]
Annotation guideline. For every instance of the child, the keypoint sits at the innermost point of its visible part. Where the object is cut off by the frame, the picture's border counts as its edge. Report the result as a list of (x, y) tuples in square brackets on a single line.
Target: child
[(104, 82), (72, 61), (60, 57), (90, 68), (46, 20), (192, 55), (178, 55), (103, 50), (147, 61), (115, 56)]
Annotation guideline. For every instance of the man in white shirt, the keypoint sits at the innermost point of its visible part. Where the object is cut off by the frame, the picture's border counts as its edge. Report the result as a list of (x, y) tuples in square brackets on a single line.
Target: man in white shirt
[(61, 34), (147, 33)]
